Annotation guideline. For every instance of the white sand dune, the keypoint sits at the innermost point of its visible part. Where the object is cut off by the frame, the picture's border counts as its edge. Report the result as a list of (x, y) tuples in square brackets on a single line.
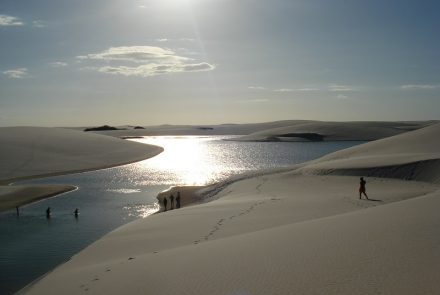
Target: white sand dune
[(287, 130), (223, 129), (328, 131), (414, 155), (34, 151), (27, 152), (288, 233)]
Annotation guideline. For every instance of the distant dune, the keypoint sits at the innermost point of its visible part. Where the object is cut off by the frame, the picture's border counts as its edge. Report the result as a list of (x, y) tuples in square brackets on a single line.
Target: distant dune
[(330, 131), (289, 130)]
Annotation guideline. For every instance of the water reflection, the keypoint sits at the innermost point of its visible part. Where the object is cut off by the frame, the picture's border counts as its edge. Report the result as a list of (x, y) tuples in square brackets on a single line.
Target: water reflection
[(32, 245), (141, 210), (188, 160)]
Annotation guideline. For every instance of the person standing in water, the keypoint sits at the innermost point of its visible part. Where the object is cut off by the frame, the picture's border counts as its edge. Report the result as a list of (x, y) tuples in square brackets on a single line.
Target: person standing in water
[(362, 189), (172, 202), (165, 201), (48, 212), (178, 200)]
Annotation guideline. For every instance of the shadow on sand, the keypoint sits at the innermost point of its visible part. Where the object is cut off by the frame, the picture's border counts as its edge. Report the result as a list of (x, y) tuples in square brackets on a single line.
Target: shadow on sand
[(374, 200)]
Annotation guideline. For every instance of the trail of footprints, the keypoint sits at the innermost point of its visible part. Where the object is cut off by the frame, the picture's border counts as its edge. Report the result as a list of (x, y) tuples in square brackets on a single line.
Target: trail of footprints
[(87, 286), (222, 221)]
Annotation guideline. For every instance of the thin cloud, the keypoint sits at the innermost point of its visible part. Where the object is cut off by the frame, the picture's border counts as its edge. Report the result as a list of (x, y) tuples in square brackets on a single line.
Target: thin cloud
[(307, 89), (16, 73), (257, 100), (154, 61), (153, 70), (171, 40), (420, 86), (341, 96), (58, 64), (257, 88), (284, 90), (7, 21), (39, 24), (338, 88), (137, 54)]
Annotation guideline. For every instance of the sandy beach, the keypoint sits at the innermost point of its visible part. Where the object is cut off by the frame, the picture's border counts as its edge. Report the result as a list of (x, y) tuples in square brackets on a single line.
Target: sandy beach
[(304, 231), (32, 152)]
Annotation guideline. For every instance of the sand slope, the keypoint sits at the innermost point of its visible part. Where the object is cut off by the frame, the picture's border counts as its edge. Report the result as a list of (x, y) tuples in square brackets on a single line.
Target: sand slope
[(27, 152), (328, 131), (288, 233), (32, 151), (413, 155)]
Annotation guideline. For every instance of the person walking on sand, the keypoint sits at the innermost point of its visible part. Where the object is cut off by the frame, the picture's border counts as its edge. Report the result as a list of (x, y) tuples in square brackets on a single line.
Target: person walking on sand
[(165, 202), (172, 202), (178, 200), (362, 189)]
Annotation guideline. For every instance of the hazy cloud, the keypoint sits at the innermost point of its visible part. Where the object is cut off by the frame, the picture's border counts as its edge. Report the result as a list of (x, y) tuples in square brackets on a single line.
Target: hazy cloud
[(341, 96), (58, 64), (39, 24), (284, 90), (138, 54), (154, 60), (337, 87), (7, 20), (153, 69), (257, 88), (257, 100), (180, 39), (420, 86), (16, 73), (307, 89)]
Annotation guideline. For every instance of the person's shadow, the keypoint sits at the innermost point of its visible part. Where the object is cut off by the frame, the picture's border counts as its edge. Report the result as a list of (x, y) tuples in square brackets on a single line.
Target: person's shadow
[(374, 200)]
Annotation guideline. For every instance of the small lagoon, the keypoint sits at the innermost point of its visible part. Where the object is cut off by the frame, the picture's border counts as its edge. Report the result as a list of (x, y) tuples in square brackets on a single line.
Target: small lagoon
[(31, 245)]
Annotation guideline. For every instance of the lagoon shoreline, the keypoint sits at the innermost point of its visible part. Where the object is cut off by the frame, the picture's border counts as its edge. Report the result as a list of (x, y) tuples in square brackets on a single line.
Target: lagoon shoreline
[(302, 230)]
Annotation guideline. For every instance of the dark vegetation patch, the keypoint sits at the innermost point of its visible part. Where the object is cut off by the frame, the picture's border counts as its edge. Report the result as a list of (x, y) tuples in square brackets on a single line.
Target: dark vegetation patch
[(103, 128)]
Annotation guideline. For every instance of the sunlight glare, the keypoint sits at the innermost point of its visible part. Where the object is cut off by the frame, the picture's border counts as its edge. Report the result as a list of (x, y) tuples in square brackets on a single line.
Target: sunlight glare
[(184, 157)]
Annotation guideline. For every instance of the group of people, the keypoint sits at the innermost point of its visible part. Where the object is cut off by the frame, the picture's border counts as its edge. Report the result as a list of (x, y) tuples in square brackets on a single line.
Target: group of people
[(362, 191), (165, 202), (49, 212)]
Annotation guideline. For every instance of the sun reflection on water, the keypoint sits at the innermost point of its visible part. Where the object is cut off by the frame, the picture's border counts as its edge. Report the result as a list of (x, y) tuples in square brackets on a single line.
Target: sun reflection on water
[(185, 161), (141, 210)]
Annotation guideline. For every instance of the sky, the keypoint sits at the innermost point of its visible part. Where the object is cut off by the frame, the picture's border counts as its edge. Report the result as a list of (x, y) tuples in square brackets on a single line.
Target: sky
[(152, 62)]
